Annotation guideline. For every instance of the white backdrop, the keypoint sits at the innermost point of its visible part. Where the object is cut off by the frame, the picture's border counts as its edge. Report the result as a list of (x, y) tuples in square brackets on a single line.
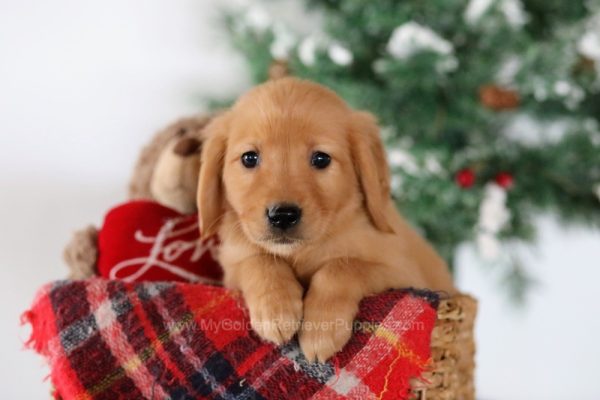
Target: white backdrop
[(84, 84)]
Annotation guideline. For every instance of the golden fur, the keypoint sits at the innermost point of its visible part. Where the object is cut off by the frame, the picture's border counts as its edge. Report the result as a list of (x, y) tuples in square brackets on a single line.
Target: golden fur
[(351, 241)]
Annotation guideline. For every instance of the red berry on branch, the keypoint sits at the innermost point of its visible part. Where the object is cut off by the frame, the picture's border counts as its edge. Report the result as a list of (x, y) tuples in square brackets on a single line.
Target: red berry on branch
[(505, 180), (465, 178)]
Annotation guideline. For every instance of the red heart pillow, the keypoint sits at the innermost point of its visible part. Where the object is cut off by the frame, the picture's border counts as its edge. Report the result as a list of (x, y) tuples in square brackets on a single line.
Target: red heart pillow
[(145, 241)]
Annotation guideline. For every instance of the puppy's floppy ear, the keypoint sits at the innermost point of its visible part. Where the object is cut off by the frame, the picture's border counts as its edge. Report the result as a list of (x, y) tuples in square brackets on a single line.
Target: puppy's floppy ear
[(211, 195), (371, 167)]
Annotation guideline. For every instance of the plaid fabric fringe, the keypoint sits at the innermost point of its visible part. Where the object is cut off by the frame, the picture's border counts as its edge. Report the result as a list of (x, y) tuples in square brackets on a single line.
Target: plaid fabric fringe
[(155, 340)]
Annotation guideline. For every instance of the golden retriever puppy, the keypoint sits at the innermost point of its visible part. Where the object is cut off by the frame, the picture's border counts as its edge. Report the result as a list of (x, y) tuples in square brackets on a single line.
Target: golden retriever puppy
[(297, 187)]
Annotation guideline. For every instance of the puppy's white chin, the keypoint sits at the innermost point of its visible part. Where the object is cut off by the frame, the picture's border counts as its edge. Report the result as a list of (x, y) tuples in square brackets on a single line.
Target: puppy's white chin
[(281, 249)]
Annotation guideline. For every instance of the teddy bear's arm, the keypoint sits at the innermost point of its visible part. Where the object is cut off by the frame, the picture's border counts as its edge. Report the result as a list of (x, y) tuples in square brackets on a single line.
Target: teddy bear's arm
[(81, 253)]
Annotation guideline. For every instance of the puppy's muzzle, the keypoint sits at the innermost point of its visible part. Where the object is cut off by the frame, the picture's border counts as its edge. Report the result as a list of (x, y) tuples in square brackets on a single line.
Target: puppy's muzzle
[(283, 216)]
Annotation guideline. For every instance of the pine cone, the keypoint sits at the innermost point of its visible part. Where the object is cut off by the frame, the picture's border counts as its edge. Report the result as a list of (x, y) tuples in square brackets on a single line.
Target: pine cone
[(584, 65), (278, 69), (498, 98)]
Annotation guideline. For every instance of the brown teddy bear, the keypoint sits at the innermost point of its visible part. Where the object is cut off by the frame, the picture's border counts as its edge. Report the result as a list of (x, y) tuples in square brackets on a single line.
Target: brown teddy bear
[(166, 171)]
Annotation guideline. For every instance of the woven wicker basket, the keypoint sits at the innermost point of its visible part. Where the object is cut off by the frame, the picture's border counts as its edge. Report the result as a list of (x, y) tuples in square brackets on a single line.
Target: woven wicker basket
[(452, 352)]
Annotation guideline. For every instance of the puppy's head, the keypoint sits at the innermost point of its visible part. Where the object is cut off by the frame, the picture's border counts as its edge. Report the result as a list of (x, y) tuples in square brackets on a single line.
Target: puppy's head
[(293, 162)]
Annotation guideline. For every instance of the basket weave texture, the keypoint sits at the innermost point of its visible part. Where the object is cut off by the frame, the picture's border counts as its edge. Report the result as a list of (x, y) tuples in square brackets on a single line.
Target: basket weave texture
[(452, 351)]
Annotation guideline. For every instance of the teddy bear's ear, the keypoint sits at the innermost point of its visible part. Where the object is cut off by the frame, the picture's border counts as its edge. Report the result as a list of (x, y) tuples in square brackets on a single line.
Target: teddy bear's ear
[(210, 183), (187, 146)]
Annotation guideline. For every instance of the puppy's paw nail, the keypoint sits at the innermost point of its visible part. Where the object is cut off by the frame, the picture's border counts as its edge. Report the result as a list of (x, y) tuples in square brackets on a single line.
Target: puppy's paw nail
[(319, 348), (325, 331)]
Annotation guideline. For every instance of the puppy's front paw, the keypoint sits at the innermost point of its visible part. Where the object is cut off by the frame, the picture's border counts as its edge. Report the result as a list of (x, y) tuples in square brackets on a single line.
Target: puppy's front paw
[(275, 316), (327, 327)]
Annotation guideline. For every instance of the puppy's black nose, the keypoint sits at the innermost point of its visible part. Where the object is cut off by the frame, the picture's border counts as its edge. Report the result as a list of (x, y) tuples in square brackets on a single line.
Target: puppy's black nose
[(284, 216)]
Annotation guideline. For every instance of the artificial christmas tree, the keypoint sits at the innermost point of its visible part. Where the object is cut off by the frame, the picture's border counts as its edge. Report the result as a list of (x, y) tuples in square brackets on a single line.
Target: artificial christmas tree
[(490, 107)]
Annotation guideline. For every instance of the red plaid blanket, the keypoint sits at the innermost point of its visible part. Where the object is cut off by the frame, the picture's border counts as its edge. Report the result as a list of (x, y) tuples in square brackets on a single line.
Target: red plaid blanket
[(155, 340)]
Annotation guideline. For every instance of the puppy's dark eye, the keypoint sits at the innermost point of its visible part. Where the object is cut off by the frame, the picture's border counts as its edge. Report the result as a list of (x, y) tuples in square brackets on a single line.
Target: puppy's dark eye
[(250, 159), (320, 160)]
